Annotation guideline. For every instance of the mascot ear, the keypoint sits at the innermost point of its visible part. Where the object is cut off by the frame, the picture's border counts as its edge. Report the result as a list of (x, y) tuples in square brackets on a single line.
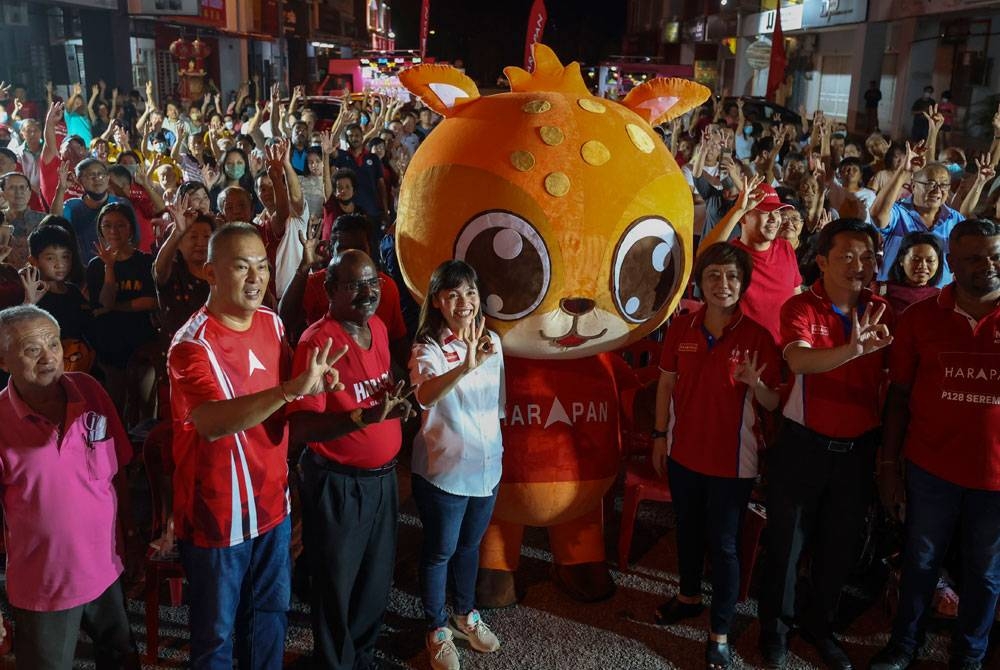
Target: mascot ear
[(663, 99), (441, 87)]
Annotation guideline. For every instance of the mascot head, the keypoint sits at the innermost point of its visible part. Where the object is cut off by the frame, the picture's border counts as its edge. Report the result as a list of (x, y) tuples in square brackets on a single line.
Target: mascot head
[(569, 206)]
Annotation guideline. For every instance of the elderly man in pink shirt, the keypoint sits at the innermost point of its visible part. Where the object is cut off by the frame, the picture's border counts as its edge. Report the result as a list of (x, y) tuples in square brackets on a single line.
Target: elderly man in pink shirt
[(62, 454)]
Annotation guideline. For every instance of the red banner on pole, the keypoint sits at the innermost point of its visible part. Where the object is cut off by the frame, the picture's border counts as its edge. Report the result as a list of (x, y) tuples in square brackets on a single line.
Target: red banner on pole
[(425, 25), (536, 26), (776, 69)]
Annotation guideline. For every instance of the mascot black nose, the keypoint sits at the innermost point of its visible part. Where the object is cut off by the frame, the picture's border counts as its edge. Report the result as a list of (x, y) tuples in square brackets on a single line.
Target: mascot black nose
[(576, 306)]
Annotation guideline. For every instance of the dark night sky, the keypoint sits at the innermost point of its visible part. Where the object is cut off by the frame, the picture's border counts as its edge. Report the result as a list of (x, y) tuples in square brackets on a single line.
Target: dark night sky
[(488, 35)]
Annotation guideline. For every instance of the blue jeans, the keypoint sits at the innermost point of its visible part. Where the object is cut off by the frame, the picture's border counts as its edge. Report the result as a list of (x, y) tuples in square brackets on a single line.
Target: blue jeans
[(453, 528), (709, 511), (247, 588), (934, 509)]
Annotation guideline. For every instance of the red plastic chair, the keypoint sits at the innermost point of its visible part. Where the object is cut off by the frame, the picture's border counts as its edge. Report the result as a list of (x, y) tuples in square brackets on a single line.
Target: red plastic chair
[(641, 483), (157, 444)]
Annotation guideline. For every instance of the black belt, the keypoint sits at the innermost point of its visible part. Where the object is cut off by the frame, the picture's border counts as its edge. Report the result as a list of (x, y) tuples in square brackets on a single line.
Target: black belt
[(350, 470), (834, 444)]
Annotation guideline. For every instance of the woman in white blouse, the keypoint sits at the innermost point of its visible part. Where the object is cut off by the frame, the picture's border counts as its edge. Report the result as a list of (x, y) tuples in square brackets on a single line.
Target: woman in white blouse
[(457, 369)]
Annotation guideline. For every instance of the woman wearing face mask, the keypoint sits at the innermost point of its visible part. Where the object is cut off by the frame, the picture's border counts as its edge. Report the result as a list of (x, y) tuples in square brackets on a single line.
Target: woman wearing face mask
[(235, 172), (915, 274)]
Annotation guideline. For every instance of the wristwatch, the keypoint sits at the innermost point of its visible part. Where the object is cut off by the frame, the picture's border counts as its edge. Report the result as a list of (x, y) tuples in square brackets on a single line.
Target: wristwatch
[(358, 419), (656, 434)]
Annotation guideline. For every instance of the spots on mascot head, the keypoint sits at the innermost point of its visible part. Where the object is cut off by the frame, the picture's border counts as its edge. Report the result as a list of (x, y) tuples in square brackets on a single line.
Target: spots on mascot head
[(560, 200)]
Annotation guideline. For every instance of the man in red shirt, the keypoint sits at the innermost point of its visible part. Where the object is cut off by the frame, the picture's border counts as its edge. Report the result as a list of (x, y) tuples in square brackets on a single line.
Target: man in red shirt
[(820, 468), (230, 445), (943, 416), (305, 301), (349, 492), (776, 275)]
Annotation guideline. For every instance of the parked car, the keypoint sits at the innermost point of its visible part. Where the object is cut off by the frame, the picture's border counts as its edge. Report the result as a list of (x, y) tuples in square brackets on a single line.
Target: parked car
[(326, 107)]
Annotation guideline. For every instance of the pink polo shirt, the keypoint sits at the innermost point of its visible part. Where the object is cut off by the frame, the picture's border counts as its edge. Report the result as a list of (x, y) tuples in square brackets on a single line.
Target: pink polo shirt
[(60, 506)]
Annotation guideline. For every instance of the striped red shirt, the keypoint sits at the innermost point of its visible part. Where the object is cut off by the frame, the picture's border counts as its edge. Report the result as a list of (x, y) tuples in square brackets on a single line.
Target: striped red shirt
[(234, 488)]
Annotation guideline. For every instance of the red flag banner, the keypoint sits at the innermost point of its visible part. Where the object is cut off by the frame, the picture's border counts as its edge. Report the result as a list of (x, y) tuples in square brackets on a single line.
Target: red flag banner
[(425, 24), (776, 70), (536, 26)]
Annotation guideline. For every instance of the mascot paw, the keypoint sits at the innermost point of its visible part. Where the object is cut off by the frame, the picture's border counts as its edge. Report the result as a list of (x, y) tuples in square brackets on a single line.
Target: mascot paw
[(585, 582), (495, 588)]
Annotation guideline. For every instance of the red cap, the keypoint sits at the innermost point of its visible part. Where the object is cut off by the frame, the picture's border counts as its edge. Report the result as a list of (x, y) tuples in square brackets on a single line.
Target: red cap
[(771, 200)]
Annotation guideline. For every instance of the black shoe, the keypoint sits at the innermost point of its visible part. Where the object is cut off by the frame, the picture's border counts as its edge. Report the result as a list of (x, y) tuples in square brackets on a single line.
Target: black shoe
[(891, 657), (674, 611), (718, 655), (830, 651), (774, 650)]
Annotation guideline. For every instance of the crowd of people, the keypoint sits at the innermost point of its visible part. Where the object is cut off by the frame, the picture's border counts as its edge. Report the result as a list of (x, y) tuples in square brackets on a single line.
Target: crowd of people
[(229, 274)]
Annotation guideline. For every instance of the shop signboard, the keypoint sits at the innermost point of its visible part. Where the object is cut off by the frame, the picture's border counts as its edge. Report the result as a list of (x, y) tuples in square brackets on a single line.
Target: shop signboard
[(169, 7), (823, 13), (762, 23), (92, 4)]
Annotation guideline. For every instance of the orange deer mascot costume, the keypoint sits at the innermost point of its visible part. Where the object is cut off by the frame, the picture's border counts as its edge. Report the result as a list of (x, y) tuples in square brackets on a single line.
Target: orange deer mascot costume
[(578, 221)]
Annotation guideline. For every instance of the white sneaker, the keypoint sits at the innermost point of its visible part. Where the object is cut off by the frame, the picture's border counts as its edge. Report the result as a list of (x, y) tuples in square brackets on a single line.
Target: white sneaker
[(471, 627), (441, 649)]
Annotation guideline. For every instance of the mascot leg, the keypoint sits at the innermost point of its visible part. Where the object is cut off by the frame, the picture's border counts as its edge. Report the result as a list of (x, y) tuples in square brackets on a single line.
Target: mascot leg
[(580, 566), (499, 555)]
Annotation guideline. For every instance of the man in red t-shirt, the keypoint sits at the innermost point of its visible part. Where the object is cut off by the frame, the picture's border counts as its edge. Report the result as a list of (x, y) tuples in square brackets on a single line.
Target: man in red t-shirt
[(821, 465), (349, 492), (230, 445), (776, 275), (943, 415), (305, 301)]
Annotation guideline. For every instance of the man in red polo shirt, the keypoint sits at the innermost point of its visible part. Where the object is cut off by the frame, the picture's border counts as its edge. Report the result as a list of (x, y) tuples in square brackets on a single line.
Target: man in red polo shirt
[(820, 468), (943, 416), (349, 492), (776, 275), (230, 446)]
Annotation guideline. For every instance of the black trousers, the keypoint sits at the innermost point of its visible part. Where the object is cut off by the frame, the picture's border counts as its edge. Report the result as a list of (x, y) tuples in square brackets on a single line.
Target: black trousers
[(47, 640), (818, 492), (349, 533)]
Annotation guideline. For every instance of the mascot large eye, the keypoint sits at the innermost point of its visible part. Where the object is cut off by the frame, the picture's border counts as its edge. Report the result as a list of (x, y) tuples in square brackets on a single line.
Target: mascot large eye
[(512, 262), (646, 268)]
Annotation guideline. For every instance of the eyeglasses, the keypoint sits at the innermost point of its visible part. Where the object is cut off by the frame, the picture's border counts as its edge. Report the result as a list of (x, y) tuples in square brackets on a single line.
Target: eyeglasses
[(931, 185), (373, 284)]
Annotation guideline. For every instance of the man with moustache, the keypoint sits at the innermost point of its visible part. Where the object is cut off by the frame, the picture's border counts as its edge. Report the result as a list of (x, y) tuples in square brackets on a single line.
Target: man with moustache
[(820, 467), (776, 275), (942, 431), (349, 491), (230, 446)]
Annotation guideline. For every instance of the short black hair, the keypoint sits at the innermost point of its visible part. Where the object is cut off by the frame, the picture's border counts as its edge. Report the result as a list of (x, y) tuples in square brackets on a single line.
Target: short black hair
[(352, 126), (723, 253), (120, 171), (130, 153), (898, 275), (89, 162), (978, 227), (849, 161), (189, 187), (45, 237), (346, 173), (852, 226), (761, 145), (9, 154)]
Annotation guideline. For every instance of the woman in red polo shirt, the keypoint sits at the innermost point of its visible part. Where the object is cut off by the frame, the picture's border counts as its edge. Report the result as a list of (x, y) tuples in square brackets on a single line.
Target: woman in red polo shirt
[(717, 366)]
